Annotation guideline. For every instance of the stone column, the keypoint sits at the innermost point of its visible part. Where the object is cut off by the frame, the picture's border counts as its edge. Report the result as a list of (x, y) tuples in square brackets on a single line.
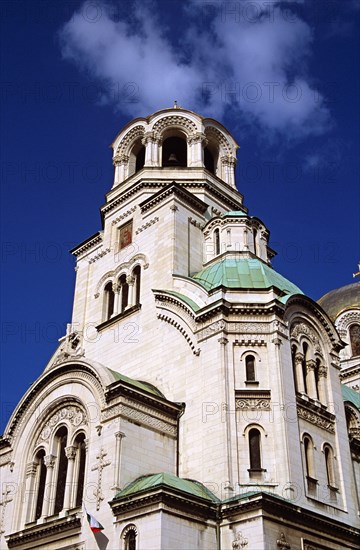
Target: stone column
[(70, 453), (322, 376), (121, 168), (300, 386), (116, 289), (197, 142), (228, 163), (131, 282), (49, 462), (30, 492), (151, 144), (310, 378), (117, 469)]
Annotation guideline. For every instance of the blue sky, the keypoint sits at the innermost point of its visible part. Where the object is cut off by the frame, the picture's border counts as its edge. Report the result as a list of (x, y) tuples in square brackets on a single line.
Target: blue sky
[(283, 77)]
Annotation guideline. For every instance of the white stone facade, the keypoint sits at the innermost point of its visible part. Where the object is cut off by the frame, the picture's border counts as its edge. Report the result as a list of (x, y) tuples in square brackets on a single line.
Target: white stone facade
[(187, 358)]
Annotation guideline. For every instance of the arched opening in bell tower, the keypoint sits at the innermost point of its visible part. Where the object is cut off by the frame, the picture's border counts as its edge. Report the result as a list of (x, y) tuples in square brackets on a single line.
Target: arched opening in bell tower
[(174, 152), (210, 159), (136, 157)]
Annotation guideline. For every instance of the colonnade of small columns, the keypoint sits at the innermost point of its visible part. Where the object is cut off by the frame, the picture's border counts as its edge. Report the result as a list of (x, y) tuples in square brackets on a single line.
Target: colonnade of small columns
[(196, 142), (32, 484), (310, 377)]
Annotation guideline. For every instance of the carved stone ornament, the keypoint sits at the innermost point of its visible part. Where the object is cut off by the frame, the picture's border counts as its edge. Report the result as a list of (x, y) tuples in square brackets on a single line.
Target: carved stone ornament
[(281, 542), (239, 542), (72, 414), (301, 328), (247, 404), (214, 327), (316, 419)]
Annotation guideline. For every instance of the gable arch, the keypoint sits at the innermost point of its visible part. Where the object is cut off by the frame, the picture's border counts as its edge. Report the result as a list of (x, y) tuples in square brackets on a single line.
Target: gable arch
[(129, 140)]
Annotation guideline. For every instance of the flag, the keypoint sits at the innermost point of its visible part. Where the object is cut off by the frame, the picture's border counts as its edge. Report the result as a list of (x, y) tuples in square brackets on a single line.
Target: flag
[(95, 526)]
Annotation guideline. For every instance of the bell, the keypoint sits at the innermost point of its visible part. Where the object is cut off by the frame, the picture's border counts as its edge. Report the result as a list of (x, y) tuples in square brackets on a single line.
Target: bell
[(173, 160)]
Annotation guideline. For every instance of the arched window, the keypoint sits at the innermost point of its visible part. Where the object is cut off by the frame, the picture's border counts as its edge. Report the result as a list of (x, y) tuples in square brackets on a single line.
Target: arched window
[(174, 152), (109, 300), (309, 457), (40, 483), (254, 449), (217, 241), (124, 292), (61, 442), (305, 351), (80, 468), (329, 463), (130, 537), (250, 368), (137, 274), (354, 333)]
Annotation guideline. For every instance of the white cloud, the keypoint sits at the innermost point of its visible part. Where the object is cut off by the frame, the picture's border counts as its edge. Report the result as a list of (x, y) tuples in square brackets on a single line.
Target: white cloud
[(252, 63)]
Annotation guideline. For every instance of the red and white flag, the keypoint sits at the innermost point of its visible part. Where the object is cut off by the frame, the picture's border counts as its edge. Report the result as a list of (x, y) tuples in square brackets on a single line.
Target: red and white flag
[(95, 526)]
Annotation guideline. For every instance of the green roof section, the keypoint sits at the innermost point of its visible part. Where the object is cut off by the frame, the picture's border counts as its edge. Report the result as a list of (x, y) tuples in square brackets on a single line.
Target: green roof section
[(161, 480), (136, 383), (350, 395), (193, 305), (238, 273)]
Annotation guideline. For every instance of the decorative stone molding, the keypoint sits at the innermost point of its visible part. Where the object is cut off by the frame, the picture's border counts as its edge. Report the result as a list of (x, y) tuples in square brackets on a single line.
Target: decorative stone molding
[(124, 215), (347, 319), (197, 137), (228, 160), (90, 243), (101, 464), (31, 468), (175, 324), (213, 132), (129, 138), (301, 328), (70, 452), (255, 400), (147, 225), (317, 419), (99, 255), (195, 223), (282, 543), (239, 542), (120, 159), (250, 342), (253, 328), (49, 461), (72, 413), (214, 328), (70, 348), (175, 120), (36, 535), (5, 459), (142, 415)]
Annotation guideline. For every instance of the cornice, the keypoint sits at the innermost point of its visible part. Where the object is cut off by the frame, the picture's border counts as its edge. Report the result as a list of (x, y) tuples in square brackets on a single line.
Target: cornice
[(43, 531), (122, 388), (88, 244), (177, 190), (295, 514), (189, 504), (159, 185)]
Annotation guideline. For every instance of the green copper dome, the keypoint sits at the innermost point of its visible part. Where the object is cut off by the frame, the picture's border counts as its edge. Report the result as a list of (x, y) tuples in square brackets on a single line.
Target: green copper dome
[(243, 273)]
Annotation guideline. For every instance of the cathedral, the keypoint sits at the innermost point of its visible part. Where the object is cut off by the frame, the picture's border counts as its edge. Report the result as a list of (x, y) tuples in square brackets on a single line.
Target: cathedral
[(198, 400)]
